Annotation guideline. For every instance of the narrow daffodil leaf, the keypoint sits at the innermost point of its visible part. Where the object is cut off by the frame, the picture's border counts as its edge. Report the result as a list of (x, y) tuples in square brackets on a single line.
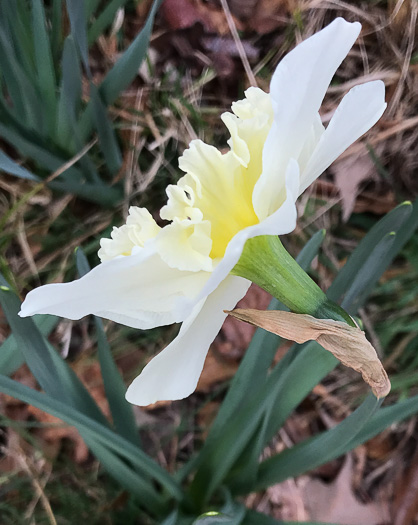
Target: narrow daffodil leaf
[(44, 63), (122, 411), (107, 138), (126, 68), (93, 429), (10, 166), (11, 357), (318, 450), (50, 370), (391, 222), (104, 19), (77, 14)]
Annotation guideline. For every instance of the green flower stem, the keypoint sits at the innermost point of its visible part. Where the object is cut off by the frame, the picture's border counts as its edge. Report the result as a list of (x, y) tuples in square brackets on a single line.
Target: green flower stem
[(265, 261)]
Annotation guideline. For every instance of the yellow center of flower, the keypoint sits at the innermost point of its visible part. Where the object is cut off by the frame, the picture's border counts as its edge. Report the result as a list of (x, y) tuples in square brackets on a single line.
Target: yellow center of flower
[(212, 202), (218, 187)]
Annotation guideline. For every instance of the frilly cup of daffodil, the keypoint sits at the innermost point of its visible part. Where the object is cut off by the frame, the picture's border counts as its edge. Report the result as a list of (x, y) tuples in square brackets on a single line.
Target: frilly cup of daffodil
[(225, 214)]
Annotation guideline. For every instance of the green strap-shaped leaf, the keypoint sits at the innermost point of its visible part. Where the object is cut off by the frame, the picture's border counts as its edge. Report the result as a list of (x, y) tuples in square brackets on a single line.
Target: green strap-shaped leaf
[(10, 166), (91, 6), (30, 147), (19, 87), (70, 93), (104, 20), (391, 222), (93, 430), (381, 420), (126, 476), (365, 281), (77, 14), (122, 73), (121, 410), (126, 68), (56, 28), (107, 196), (11, 357), (107, 138), (316, 451), (44, 64), (17, 26), (50, 370)]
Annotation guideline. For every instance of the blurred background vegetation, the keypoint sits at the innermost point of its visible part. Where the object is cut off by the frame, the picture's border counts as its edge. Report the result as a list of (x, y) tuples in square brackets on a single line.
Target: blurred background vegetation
[(87, 130)]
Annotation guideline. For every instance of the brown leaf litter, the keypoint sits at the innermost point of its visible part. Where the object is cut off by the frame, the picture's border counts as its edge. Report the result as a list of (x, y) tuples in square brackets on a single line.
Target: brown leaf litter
[(348, 344)]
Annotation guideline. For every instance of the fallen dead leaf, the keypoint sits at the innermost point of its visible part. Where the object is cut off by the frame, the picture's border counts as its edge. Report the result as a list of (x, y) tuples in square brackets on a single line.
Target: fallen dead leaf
[(206, 416), (289, 497), (348, 344), (236, 336), (349, 173), (183, 14), (370, 201), (406, 497), (268, 15), (336, 503), (216, 369)]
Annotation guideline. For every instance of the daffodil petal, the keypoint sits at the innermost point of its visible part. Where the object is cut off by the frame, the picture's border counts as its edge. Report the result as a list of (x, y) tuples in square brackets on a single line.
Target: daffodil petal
[(297, 89), (139, 290), (174, 373), (279, 223), (358, 111)]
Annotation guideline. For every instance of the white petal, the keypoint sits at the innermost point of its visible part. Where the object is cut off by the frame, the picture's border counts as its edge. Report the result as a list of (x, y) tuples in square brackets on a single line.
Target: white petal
[(138, 290), (281, 222), (174, 373), (358, 111), (297, 89)]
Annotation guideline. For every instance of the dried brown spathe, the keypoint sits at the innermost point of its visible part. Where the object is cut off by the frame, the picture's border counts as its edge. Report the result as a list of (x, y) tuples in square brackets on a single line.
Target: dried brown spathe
[(348, 344)]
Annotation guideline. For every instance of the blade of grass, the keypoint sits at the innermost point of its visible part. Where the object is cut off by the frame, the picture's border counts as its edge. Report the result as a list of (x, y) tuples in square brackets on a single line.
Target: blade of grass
[(122, 413), (93, 430)]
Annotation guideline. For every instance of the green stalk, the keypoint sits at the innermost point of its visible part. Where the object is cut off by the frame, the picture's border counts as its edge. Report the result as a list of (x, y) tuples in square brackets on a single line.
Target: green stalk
[(265, 262)]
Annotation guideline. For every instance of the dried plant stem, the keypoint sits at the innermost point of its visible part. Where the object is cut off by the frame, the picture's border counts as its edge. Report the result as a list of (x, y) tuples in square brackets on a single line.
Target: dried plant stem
[(238, 43)]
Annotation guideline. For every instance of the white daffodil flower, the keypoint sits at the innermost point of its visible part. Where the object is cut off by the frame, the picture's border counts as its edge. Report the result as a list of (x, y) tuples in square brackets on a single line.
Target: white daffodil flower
[(151, 276)]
